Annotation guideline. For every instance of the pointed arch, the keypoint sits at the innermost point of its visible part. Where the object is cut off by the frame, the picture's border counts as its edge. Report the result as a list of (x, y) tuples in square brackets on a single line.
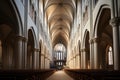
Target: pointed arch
[(98, 18), (86, 50), (103, 32), (86, 37), (11, 28)]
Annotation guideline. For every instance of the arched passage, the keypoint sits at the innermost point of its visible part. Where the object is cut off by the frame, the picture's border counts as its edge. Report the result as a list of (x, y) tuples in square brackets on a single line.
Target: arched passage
[(7, 39), (103, 38), (30, 50), (86, 51), (10, 37)]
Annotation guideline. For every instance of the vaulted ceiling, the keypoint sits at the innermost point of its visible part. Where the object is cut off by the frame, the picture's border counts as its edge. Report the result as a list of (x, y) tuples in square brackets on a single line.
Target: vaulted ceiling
[(59, 16)]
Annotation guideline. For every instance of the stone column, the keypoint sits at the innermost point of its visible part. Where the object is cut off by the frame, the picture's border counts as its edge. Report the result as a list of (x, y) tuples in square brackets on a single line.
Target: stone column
[(77, 61), (34, 56), (96, 53), (71, 63), (19, 56), (83, 59), (80, 59), (44, 57), (91, 55), (115, 22), (74, 56), (25, 52), (42, 61), (25, 33), (46, 63), (38, 58), (48, 60), (74, 61)]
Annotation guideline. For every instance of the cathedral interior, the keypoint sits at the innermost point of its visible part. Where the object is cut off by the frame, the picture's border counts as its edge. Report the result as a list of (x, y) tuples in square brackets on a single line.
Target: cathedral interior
[(59, 40)]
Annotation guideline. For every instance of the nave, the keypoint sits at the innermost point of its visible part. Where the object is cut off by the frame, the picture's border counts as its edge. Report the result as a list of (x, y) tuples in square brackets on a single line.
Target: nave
[(59, 75), (38, 37)]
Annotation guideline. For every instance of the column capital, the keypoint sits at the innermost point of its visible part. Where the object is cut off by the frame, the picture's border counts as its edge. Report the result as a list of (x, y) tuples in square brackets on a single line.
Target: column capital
[(45, 56), (75, 56), (95, 40), (42, 55), (72, 58), (115, 21), (21, 38), (83, 50), (37, 50), (91, 41)]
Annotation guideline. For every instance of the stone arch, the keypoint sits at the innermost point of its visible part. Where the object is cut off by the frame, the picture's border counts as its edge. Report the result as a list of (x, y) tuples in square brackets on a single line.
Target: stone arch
[(103, 33), (84, 38), (95, 31), (18, 20), (86, 50), (43, 48), (36, 42), (30, 49), (10, 34)]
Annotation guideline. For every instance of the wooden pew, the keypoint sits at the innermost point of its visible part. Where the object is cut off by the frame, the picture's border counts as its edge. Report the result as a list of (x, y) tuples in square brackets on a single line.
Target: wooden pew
[(88, 74), (25, 74)]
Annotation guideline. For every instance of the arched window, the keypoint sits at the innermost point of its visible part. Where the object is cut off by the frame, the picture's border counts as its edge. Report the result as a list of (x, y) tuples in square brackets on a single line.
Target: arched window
[(59, 52), (110, 56), (59, 55)]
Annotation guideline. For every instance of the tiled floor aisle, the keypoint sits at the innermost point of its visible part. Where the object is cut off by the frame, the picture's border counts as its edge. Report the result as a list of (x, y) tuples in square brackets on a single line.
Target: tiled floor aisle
[(60, 75)]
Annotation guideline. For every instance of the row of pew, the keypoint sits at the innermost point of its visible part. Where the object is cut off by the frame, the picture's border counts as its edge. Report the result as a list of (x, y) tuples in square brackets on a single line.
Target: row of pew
[(25, 74), (88, 74)]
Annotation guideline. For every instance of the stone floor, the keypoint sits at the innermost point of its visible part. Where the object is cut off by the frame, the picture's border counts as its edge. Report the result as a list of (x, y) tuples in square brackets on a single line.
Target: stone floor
[(60, 75)]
